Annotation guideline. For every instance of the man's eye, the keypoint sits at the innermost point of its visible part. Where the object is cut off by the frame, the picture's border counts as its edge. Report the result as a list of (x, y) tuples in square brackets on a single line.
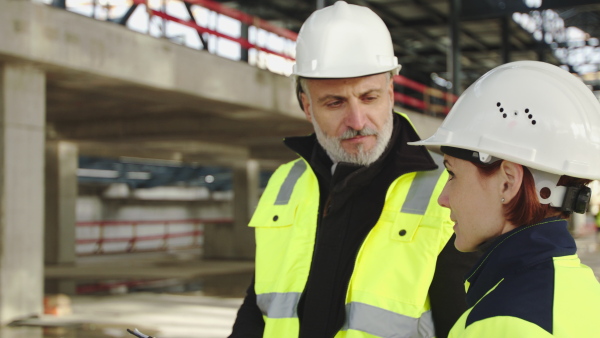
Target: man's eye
[(450, 175), (334, 104)]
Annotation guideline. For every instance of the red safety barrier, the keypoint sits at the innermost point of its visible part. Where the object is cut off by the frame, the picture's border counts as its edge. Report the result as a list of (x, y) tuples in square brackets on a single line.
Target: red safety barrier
[(108, 286), (243, 42), (245, 18), (410, 101), (427, 92), (100, 240), (176, 221), (406, 82)]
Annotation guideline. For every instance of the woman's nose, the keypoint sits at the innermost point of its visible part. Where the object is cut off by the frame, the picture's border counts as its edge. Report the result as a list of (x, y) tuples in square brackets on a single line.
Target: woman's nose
[(443, 199)]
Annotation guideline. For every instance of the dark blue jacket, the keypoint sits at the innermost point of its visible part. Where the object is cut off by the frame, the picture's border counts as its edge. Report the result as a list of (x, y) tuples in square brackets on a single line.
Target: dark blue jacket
[(530, 283)]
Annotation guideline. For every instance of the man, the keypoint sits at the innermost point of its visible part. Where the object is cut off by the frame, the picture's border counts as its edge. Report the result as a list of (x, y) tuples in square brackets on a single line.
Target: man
[(349, 236)]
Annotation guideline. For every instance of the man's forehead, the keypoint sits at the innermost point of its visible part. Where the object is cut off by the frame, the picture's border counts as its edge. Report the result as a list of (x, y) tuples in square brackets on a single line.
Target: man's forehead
[(358, 85), (367, 78)]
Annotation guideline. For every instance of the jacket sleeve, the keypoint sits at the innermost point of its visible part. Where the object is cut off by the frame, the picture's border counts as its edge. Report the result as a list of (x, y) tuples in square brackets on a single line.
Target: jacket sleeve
[(249, 322), (447, 291)]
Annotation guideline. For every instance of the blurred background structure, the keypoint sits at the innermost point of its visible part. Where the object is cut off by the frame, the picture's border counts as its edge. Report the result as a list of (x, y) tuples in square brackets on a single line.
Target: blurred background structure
[(137, 135)]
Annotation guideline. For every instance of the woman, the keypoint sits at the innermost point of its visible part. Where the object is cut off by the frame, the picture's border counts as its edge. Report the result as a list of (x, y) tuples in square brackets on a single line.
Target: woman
[(519, 146)]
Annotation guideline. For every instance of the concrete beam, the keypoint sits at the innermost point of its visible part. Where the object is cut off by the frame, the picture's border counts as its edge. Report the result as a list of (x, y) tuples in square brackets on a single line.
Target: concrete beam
[(59, 40), (179, 127)]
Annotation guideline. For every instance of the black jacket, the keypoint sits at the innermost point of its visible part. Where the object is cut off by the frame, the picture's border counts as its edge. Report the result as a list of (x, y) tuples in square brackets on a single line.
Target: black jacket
[(350, 205)]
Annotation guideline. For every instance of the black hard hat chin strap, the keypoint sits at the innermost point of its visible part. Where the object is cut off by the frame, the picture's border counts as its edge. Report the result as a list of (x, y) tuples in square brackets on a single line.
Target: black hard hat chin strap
[(567, 199), (577, 199)]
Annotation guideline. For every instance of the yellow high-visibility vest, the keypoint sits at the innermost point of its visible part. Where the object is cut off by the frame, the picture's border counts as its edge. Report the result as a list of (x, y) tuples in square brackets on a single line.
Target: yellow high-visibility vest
[(388, 291)]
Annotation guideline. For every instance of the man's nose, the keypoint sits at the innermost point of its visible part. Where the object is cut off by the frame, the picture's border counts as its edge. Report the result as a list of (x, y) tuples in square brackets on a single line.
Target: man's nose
[(356, 117)]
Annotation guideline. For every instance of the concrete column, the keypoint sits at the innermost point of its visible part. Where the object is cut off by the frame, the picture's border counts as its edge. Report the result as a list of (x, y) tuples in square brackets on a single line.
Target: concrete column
[(453, 58), (236, 241), (60, 218), (245, 198), (22, 124), (505, 32)]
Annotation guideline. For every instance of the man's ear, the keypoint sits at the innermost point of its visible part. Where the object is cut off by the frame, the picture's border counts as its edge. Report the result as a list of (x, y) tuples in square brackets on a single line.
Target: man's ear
[(511, 179), (391, 92), (306, 106)]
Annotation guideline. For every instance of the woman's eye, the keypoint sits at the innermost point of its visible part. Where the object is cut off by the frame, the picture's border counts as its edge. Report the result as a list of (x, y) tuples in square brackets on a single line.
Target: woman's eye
[(450, 175)]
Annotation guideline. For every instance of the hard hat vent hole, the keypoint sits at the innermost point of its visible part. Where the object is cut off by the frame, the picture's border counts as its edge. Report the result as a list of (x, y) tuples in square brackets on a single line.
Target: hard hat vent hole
[(504, 115), (498, 104), (516, 113), (501, 110), (530, 116), (545, 193)]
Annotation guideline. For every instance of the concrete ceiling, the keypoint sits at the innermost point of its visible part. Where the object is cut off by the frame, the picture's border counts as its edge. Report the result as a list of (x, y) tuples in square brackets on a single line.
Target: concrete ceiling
[(112, 118)]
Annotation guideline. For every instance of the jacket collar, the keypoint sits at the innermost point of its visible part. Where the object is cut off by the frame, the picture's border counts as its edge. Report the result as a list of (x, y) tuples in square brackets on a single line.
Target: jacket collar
[(518, 250)]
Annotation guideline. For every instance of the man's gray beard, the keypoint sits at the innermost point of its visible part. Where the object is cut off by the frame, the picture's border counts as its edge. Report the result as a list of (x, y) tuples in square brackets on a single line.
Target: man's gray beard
[(333, 144)]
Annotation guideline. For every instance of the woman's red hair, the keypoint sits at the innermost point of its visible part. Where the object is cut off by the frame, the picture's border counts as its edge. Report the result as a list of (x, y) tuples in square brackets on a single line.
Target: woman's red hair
[(525, 208)]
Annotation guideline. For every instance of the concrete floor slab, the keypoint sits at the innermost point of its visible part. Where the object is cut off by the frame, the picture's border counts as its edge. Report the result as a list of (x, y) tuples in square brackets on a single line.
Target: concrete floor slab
[(171, 313)]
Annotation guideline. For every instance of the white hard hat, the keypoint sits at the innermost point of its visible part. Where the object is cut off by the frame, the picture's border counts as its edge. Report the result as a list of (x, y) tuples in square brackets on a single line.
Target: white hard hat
[(531, 113), (343, 41)]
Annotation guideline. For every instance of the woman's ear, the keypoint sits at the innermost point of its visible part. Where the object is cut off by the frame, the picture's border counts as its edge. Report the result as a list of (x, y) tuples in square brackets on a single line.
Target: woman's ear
[(511, 180)]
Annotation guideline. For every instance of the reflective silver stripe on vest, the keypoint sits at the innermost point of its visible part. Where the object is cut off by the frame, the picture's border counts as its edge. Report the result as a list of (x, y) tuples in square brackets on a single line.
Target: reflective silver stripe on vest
[(278, 305), (285, 192), (383, 323), (422, 187)]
